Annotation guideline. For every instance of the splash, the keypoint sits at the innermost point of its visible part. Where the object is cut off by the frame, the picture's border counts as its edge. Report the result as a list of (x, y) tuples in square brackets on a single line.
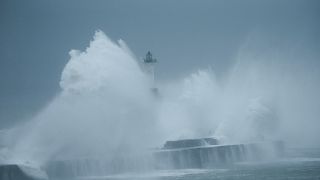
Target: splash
[(105, 107)]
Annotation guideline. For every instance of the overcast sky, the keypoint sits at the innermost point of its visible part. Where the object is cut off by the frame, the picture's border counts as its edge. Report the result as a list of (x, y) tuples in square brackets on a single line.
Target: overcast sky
[(36, 36)]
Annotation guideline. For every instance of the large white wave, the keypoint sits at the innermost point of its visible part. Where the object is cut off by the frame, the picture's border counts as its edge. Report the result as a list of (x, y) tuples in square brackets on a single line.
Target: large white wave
[(106, 107)]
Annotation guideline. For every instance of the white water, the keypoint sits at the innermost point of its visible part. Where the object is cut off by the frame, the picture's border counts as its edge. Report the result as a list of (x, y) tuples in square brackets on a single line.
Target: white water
[(102, 110), (106, 108)]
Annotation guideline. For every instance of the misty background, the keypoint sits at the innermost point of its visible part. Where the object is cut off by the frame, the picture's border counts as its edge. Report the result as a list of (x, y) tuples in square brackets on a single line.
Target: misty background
[(36, 36)]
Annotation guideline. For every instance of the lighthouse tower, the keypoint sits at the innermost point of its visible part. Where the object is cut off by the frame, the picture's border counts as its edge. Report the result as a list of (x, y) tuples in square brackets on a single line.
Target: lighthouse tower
[(149, 64)]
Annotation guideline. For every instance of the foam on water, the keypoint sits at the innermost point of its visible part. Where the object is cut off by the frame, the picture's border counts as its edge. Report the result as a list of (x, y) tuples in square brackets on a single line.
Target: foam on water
[(154, 174)]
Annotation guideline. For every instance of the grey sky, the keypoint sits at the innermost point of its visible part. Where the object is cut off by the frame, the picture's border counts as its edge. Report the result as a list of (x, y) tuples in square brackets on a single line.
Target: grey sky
[(36, 36)]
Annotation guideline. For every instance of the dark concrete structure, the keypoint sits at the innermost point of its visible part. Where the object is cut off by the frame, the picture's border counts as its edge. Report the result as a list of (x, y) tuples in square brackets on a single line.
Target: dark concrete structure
[(180, 154), (185, 143), (210, 156)]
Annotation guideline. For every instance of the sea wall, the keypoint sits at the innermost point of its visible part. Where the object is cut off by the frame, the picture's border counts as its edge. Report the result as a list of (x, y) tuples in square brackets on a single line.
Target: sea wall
[(181, 158), (218, 155)]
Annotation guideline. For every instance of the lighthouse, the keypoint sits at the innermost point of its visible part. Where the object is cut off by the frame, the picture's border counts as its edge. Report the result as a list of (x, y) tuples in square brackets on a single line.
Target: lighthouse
[(149, 64)]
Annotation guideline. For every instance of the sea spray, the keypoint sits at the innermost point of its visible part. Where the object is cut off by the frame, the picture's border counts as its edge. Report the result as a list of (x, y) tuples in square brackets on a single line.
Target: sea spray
[(190, 108), (106, 108), (103, 108)]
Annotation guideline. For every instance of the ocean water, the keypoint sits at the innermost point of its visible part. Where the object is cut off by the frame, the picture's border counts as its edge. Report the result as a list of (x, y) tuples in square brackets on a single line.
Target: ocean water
[(299, 165)]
